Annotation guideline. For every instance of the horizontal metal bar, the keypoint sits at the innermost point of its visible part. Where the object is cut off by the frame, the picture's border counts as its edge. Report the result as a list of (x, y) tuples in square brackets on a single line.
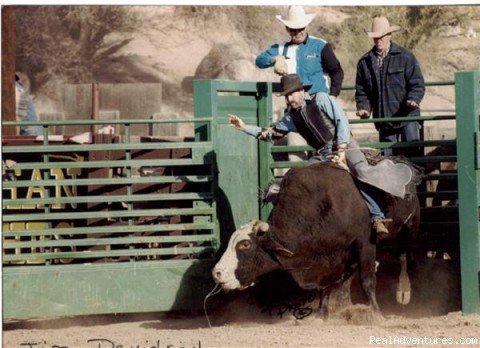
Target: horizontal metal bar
[(439, 224), (292, 164), (109, 199), (407, 144), (440, 83), (103, 122), (433, 159), (428, 84), (449, 194), (403, 119), (427, 143), (112, 253), (92, 230), (290, 148), (106, 214), (153, 179), (235, 86), (21, 270), (439, 209), (441, 176), (56, 243), (287, 164), (44, 149), (110, 164)]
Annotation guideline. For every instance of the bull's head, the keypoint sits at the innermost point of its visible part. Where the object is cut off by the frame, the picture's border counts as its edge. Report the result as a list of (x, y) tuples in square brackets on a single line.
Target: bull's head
[(250, 253)]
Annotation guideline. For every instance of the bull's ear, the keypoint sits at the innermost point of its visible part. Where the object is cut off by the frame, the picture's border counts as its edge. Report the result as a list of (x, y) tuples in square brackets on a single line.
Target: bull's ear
[(260, 228), (281, 251), (277, 248)]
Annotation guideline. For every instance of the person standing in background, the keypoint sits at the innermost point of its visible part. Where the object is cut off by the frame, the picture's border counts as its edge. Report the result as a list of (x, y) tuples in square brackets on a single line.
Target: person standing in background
[(389, 83), (311, 58), (25, 109)]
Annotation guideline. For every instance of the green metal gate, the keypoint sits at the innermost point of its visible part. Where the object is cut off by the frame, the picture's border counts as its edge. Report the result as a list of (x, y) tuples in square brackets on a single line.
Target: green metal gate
[(111, 226), (468, 144), (254, 166), (121, 225)]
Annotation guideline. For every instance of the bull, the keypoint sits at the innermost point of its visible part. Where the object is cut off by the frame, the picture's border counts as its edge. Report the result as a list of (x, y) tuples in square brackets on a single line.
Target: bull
[(319, 231)]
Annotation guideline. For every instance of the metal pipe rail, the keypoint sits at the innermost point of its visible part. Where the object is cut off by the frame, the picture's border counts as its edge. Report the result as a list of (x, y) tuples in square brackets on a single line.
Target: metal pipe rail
[(111, 197)]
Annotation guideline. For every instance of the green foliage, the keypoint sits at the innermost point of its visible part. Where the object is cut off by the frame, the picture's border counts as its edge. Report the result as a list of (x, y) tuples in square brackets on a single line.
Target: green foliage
[(66, 40)]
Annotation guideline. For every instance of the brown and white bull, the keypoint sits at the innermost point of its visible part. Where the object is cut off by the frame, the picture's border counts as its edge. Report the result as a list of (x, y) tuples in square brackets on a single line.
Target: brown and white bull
[(319, 231)]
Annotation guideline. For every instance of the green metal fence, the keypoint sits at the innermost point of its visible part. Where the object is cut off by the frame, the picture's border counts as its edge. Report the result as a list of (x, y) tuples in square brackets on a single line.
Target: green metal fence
[(124, 224), (468, 136), (117, 224)]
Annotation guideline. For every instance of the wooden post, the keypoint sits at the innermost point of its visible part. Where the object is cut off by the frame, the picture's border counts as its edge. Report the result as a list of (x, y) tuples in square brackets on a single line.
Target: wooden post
[(95, 107), (8, 69)]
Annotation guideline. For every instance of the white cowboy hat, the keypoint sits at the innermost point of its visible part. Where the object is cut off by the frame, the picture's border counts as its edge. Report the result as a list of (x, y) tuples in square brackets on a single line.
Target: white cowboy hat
[(381, 27), (296, 17)]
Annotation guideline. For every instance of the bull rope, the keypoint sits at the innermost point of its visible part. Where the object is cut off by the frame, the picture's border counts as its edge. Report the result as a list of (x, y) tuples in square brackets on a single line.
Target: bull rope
[(210, 294)]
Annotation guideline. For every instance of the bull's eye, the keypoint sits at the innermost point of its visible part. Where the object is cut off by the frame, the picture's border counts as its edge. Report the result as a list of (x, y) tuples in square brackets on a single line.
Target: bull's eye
[(244, 244)]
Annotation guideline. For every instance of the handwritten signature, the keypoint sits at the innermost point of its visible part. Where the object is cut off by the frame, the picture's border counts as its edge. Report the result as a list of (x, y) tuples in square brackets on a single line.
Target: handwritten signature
[(299, 308), (107, 343)]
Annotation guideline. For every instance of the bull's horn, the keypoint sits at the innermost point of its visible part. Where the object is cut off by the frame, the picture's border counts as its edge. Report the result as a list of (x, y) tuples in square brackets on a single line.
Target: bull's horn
[(261, 226)]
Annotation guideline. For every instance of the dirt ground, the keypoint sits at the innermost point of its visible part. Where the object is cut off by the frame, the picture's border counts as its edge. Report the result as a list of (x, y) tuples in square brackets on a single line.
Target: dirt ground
[(161, 330), (262, 317)]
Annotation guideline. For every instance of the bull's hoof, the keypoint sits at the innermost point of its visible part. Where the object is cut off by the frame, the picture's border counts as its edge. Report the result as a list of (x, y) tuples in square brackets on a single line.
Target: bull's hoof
[(404, 288), (403, 296)]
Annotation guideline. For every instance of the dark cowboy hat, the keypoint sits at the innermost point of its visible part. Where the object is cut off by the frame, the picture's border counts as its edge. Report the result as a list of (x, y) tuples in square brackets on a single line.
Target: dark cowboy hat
[(291, 83)]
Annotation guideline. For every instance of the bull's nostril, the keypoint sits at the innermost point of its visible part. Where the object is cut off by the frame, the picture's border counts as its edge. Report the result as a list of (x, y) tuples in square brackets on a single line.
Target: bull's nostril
[(218, 274)]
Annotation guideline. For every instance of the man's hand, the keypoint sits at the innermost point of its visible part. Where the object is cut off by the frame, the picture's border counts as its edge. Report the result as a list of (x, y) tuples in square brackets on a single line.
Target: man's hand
[(339, 158), (265, 134), (236, 122), (363, 113), (280, 67), (411, 104)]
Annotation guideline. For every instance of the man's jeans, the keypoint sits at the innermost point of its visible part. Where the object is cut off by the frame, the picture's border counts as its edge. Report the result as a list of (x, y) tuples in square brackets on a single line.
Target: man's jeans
[(409, 132), (374, 197), (375, 200)]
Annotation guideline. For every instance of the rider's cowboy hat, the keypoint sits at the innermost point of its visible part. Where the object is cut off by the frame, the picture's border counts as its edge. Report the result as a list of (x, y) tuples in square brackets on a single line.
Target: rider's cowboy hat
[(291, 83), (296, 18), (381, 27)]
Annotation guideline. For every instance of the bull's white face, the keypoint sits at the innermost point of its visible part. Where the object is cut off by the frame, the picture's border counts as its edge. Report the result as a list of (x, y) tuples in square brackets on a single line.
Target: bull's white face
[(224, 271)]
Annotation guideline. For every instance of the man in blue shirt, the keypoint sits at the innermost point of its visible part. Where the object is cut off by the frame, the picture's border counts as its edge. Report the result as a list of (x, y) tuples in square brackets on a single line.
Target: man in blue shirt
[(324, 125), (310, 57)]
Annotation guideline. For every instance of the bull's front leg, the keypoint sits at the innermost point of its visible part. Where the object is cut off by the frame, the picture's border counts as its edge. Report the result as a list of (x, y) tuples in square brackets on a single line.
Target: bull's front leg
[(404, 289)]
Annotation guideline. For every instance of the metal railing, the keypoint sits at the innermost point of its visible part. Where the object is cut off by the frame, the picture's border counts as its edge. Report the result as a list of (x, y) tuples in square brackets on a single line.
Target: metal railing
[(107, 200)]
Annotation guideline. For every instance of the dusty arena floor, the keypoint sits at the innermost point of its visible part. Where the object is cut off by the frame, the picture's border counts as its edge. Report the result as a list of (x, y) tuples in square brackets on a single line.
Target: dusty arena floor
[(260, 317), (146, 331)]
